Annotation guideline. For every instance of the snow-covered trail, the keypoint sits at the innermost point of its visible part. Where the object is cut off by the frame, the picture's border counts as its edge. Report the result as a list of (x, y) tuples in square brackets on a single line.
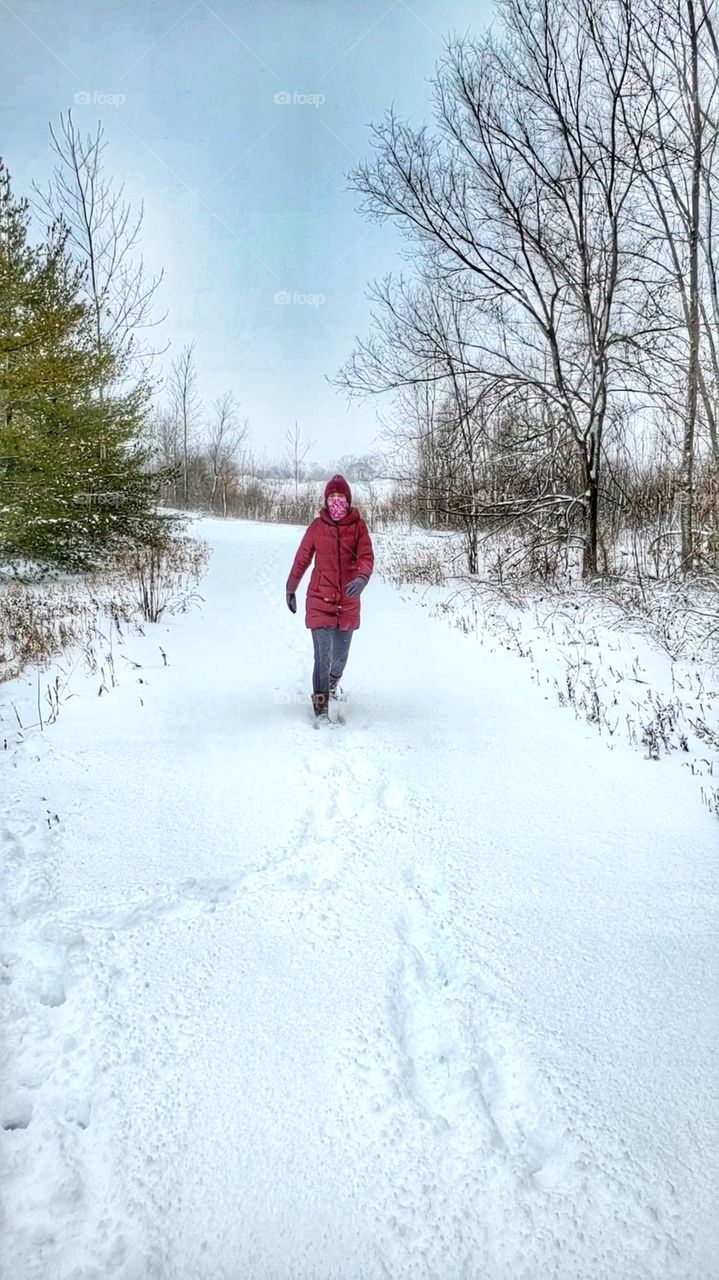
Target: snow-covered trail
[(431, 994)]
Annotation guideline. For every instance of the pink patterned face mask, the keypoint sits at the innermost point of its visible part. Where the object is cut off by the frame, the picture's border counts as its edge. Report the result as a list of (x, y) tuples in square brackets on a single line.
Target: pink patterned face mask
[(337, 505)]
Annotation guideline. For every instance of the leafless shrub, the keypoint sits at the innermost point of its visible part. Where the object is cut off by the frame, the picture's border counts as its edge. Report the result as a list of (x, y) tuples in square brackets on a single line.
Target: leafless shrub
[(407, 564), (162, 575), (681, 617)]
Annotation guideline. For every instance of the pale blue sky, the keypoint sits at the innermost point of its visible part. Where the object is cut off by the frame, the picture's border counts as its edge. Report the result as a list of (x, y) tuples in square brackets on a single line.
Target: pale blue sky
[(244, 197)]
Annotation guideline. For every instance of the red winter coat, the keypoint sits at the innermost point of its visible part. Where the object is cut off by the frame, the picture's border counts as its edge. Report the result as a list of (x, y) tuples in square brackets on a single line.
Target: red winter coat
[(342, 551)]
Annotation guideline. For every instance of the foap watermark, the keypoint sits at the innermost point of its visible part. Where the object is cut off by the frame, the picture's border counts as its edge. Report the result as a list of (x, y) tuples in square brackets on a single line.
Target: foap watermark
[(291, 698), (295, 99), (96, 98), (109, 498), (296, 299)]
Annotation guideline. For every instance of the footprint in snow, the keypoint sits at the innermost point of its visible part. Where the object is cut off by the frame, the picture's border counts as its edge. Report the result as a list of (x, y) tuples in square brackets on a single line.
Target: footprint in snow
[(393, 795), (362, 770), (16, 1110), (319, 761), (77, 1111), (318, 870), (464, 1055), (52, 990)]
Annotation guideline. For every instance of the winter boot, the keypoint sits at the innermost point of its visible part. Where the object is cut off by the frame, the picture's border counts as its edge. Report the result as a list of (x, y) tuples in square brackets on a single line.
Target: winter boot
[(319, 703), (334, 684)]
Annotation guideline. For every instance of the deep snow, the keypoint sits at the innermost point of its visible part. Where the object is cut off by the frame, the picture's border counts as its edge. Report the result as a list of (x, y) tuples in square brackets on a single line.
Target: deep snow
[(431, 994)]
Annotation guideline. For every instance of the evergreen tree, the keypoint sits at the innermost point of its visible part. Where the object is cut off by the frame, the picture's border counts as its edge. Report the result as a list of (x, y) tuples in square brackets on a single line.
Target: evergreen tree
[(74, 478)]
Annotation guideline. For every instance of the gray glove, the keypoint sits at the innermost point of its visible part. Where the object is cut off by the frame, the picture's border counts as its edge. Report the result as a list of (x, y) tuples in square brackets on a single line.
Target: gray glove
[(291, 599), (357, 586)]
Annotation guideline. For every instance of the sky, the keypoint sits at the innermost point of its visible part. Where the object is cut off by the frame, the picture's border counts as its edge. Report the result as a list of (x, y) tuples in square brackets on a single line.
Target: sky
[(236, 125)]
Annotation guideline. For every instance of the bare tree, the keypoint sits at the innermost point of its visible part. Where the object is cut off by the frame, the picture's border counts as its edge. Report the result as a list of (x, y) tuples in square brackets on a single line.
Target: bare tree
[(104, 233), (674, 57), (518, 210), (225, 439), (185, 406), (104, 236), (708, 226), (296, 451), (163, 433)]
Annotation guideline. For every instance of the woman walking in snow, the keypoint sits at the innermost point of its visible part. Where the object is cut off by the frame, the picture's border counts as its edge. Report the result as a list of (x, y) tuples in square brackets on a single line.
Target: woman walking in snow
[(342, 548)]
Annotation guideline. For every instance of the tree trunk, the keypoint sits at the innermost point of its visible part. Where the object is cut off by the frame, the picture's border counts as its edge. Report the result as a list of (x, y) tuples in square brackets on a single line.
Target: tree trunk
[(184, 463), (470, 533), (590, 469), (686, 479)]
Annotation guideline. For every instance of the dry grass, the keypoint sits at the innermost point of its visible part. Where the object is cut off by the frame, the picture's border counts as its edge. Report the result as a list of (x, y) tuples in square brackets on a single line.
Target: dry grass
[(591, 645), (38, 623), (87, 619)]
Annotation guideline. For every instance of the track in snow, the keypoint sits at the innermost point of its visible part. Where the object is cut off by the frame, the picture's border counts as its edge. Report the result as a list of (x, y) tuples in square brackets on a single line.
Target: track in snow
[(378, 1002)]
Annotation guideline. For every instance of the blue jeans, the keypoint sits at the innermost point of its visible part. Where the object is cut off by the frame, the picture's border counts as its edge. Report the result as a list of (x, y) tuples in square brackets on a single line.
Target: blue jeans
[(331, 647)]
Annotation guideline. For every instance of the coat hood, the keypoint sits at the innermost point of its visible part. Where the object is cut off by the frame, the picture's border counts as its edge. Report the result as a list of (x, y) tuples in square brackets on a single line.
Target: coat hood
[(338, 484)]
